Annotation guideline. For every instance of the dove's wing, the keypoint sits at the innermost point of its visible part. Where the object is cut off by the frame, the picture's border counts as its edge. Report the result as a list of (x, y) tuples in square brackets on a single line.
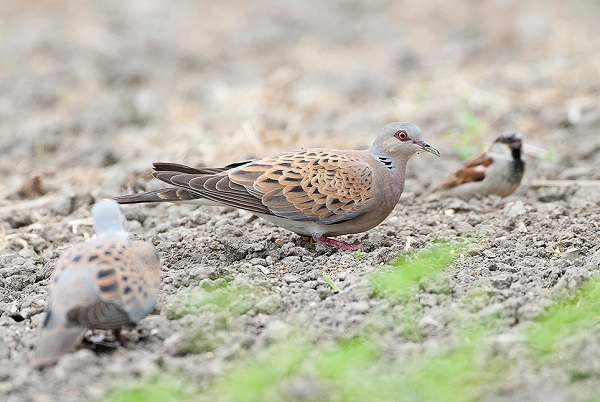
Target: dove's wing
[(317, 185), (126, 278)]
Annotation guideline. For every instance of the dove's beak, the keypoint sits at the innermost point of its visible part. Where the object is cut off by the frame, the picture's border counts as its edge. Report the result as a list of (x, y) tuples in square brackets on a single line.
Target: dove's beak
[(426, 147)]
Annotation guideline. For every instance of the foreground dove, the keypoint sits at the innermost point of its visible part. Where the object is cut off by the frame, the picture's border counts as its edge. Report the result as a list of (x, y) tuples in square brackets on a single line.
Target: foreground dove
[(106, 283), (498, 171), (315, 192)]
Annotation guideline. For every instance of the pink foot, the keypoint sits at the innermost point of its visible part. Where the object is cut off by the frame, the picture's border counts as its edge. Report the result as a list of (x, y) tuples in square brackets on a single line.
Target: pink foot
[(102, 344), (336, 243), (120, 338)]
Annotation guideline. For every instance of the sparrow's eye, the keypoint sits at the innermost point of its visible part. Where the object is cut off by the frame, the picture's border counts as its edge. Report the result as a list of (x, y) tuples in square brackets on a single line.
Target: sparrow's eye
[(401, 135)]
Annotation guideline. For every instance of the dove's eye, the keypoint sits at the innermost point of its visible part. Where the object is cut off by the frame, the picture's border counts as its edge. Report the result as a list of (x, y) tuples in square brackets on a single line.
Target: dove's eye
[(401, 135)]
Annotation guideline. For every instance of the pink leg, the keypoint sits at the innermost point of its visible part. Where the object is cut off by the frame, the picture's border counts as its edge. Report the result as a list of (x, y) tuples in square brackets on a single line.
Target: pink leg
[(331, 242), (103, 344), (336, 243), (100, 345), (121, 341)]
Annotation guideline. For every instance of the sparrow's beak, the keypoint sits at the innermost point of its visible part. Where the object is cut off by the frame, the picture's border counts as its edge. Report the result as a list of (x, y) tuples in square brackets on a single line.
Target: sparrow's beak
[(426, 147), (516, 144)]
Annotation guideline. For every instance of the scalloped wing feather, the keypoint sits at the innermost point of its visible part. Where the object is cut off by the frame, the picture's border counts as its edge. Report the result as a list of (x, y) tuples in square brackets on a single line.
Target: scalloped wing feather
[(311, 185), (315, 185), (126, 276)]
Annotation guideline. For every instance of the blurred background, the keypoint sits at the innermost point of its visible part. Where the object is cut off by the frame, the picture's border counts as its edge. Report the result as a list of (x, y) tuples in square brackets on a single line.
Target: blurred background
[(117, 85), (93, 92)]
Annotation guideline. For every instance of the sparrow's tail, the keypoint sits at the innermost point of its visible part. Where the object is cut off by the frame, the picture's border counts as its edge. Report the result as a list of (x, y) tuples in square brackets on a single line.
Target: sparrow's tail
[(161, 195)]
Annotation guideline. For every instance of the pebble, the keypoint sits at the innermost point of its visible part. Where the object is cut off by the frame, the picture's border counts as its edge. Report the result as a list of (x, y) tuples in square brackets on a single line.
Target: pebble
[(269, 304), (261, 268), (517, 209), (324, 293), (73, 362), (501, 280), (360, 307), (258, 261), (276, 330), (304, 389), (290, 278)]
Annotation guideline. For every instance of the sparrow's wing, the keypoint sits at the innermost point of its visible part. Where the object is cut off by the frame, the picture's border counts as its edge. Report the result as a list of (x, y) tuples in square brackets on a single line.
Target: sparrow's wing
[(472, 170)]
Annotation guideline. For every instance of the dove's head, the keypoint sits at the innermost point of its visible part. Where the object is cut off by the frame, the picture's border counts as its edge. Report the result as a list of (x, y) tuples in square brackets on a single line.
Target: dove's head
[(400, 140), (108, 219)]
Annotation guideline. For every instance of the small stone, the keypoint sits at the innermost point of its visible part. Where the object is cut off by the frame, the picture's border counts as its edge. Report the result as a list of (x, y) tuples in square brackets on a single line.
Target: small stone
[(290, 278), (309, 276), (360, 307), (74, 362), (261, 268), (269, 304), (517, 209), (573, 253), (324, 293), (276, 330), (291, 261), (502, 280), (304, 389), (489, 254), (258, 261), (429, 321)]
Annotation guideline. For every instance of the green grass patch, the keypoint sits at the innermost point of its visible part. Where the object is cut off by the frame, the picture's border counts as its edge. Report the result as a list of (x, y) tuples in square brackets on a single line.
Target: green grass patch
[(463, 373), (165, 387), (331, 284), (347, 370), (204, 338), (358, 369), (568, 316), (233, 297), (402, 280), (414, 270), (477, 298), (468, 141), (258, 378), (407, 321), (216, 304)]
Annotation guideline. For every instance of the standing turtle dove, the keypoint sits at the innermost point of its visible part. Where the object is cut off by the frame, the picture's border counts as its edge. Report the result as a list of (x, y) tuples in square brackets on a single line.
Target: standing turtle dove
[(313, 192), (105, 283)]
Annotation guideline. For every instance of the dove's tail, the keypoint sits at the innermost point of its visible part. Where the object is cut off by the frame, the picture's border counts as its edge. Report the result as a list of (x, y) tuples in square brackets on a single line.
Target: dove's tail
[(161, 195), (55, 340), (164, 171)]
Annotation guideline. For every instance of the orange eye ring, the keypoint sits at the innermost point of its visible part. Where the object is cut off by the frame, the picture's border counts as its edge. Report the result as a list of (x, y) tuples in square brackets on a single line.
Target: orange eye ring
[(401, 135)]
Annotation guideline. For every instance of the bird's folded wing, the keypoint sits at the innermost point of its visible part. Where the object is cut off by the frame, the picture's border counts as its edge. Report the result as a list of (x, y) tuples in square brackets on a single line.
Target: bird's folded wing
[(101, 315), (127, 278), (122, 284), (471, 171), (311, 185)]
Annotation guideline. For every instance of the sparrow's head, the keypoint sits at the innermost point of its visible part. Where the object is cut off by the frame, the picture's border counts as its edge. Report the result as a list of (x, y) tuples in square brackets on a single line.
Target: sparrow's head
[(401, 140), (513, 139)]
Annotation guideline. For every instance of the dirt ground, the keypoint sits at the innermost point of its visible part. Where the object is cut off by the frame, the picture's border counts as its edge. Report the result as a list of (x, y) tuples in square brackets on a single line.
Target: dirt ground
[(91, 93)]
